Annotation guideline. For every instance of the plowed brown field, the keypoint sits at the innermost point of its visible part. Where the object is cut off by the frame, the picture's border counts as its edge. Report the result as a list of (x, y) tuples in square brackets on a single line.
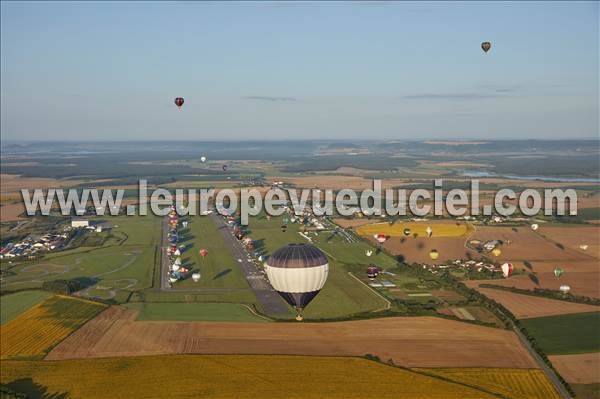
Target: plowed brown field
[(410, 341), (528, 306), (578, 369)]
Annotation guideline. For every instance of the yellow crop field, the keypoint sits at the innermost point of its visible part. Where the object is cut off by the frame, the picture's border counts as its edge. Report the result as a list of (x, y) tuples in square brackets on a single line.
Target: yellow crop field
[(418, 228), (232, 376), (510, 383), (36, 331)]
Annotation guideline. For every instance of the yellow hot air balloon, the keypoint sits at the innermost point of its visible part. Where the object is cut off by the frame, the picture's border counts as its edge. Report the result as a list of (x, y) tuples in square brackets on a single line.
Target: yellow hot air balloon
[(496, 252), (434, 254)]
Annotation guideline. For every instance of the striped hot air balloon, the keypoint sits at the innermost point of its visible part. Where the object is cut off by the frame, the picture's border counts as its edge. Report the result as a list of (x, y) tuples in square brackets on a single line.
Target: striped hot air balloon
[(297, 272)]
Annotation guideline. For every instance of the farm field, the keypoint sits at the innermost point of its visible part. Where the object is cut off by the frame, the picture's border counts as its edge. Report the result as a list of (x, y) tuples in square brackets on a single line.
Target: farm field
[(581, 368), (509, 383), (581, 276), (33, 333), (416, 250), (409, 341), (528, 306), (566, 334), (194, 312), (528, 245), (418, 229), (13, 305), (212, 377)]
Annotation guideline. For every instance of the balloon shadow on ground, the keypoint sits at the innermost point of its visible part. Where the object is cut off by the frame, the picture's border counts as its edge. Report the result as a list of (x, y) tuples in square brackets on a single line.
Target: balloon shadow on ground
[(534, 278), (222, 273), (32, 389)]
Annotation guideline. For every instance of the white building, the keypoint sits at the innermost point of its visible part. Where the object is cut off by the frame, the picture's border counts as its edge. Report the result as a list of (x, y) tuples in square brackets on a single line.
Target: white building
[(77, 223)]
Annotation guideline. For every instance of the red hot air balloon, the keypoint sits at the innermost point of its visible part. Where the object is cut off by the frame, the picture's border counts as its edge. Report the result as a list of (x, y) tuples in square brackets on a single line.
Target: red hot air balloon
[(203, 252), (381, 238), (179, 102), (507, 269), (372, 272)]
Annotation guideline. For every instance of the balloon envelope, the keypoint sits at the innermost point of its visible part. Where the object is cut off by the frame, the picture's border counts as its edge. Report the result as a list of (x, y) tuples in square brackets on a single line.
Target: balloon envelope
[(381, 238), (535, 226), (179, 102), (486, 46), (406, 232), (202, 159), (298, 273), (496, 252), (507, 269), (434, 254), (558, 272)]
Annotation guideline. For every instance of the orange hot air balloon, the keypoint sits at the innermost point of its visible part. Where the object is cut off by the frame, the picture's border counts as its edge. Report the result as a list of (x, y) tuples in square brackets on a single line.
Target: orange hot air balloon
[(203, 252)]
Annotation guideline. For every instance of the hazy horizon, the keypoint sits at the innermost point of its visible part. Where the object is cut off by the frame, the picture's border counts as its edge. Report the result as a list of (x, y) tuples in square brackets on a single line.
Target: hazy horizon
[(299, 71)]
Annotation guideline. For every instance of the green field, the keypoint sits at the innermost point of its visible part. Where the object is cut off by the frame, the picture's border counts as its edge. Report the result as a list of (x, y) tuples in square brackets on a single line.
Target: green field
[(13, 305), (566, 334), (343, 295), (195, 312), (218, 269), (123, 262)]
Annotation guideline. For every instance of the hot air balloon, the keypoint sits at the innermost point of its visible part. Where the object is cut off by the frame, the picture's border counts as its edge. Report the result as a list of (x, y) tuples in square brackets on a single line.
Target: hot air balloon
[(558, 272), (564, 289), (406, 231), (535, 226), (434, 254), (507, 269), (285, 220), (283, 228), (369, 252), (224, 167), (372, 272), (178, 260), (381, 238), (175, 267), (179, 102), (496, 251), (196, 277), (297, 272), (486, 46), (583, 247), (429, 230), (202, 159), (203, 252)]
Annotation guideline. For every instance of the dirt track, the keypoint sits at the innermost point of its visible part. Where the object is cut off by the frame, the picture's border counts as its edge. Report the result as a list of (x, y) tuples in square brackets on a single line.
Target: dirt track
[(410, 341), (578, 369)]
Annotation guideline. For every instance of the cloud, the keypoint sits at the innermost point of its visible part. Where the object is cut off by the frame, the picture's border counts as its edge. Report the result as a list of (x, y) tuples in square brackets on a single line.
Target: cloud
[(451, 96), (270, 98)]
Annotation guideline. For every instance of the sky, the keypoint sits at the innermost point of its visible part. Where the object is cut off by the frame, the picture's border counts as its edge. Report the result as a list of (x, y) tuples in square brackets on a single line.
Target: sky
[(299, 70)]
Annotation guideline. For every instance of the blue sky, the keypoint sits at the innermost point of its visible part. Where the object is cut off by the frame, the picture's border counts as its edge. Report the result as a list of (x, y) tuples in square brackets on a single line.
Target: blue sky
[(110, 70)]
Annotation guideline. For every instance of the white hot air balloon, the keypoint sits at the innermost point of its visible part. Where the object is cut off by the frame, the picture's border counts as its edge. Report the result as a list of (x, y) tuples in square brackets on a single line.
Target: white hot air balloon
[(297, 272), (369, 253), (175, 267), (196, 277), (429, 230), (535, 226), (202, 159), (565, 289), (507, 269), (583, 247)]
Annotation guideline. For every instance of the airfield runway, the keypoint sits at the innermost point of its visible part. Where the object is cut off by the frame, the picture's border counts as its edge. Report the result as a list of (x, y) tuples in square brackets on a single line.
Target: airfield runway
[(270, 301)]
